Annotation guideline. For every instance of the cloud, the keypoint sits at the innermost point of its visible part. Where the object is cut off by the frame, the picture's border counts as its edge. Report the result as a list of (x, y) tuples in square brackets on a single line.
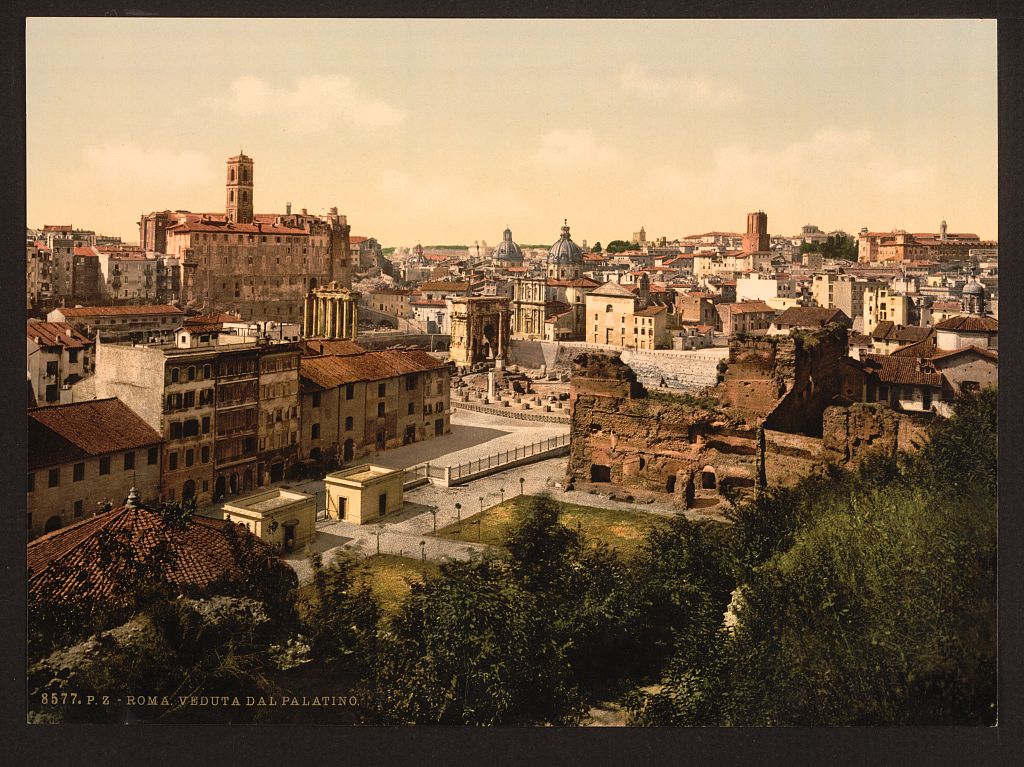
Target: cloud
[(832, 170), (130, 165), (312, 104), (573, 149), (696, 89)]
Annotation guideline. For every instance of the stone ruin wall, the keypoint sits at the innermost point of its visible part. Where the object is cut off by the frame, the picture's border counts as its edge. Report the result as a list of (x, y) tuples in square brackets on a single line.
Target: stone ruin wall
[(662, 443)]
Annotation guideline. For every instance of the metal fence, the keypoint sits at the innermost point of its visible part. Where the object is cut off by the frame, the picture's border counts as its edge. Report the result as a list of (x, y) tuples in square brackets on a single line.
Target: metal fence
[(507, 456)]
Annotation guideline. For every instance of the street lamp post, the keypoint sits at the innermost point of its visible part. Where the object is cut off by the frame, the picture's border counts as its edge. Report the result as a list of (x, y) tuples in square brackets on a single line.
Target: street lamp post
[(502, 491), (458, 512), (423, 551), (481, 504), (433, 513), (522, 481), (378, 532)]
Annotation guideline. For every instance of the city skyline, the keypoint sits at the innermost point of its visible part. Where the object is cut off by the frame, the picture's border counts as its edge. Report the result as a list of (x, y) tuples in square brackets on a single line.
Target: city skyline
[(446, 131)]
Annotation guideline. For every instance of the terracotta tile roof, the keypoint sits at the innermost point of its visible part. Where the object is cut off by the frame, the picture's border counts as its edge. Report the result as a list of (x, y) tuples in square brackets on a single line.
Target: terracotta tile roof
[(85, 312), (923, 348), (355, 239), (810, 317), (429, 302), (226, 227), (582, 282), (902, 334), (987, 353), (969, 323), (88, 252), (62, 433), (332, 347), (203, 558), (56, 228), (454, 287), (650, 311), (903, 370), (328, 372), (53, 334), (612, 290), (748, 307), (210, 319)]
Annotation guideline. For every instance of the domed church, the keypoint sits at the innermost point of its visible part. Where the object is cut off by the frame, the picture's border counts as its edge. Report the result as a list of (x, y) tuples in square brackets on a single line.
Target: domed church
[(565, 258), (508, 251)]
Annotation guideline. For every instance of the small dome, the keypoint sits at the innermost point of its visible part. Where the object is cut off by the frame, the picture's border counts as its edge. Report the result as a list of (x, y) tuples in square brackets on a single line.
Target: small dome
[(973, 288), (565, 251), (506, 249)]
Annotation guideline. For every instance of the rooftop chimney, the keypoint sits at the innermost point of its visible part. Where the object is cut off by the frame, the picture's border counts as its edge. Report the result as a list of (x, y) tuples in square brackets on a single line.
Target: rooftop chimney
[(287, 208)]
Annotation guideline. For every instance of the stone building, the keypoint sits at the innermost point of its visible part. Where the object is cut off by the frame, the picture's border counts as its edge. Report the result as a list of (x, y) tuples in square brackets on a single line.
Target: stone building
[(331, 311), (356, 403), (364, 494), (38, 276), (284, 519), (58, 357), (616, 317), (260, 265), (506, 251), (480, 330), (121, 323), (212, 402), (83, 455), (529, 296), (681, 445), (756, 239), (750, 317)]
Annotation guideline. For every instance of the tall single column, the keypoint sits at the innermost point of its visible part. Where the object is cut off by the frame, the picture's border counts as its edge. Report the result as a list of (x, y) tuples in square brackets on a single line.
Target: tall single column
[(311, 333), (354, 311), (330, 317), (346, 311)]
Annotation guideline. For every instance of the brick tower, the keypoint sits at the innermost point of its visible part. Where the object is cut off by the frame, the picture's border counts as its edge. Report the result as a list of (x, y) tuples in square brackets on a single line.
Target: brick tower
[(756, 239), (239, 191)]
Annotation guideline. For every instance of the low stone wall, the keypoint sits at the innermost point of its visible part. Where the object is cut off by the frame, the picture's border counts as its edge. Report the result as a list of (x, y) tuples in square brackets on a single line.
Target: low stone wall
[(679, 369), (508, 412)]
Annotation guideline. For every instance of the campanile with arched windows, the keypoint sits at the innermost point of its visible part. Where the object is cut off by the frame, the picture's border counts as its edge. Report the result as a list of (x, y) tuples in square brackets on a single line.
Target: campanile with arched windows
[(239, 189)]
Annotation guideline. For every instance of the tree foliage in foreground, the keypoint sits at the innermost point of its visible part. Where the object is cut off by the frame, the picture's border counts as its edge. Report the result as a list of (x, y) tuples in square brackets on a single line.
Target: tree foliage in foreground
[(872, 601)]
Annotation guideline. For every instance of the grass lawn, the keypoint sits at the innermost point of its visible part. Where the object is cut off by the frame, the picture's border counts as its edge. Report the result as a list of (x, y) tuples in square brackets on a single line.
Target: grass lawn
[(621, 530), (389, 577)]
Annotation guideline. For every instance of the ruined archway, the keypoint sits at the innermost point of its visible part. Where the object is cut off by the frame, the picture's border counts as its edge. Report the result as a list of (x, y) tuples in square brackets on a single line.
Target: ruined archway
[(600, 473), (53, 523), (670, 484), (708, 478)]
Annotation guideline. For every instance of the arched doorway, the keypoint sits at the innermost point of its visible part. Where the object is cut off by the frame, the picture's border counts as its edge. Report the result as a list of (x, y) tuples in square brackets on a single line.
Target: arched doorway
[(53, 523), (218, 488), (348, 450), (188, 490), (708, 478), (276, 471), (600, 473), (247, 480), (312, 283), (233, 484), (670, 484)]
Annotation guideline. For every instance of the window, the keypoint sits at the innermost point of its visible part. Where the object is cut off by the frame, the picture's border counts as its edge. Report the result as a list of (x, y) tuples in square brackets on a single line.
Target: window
[(608, 308), (78, 508), (412, 408), (207, 371), (30, 482), (204, 455), (380, 409), (172, 461), (206, 424), (54, 478), (382, 390), (176, 430), (129, 461), (190, 457), (316, 399), (77, 472), (174, 375), (410, 382), (151, 456), (350, 391), (72, 355), (191, 373), (190, 397), (105, 465), (315, 431), (348, 423), (190, 428)]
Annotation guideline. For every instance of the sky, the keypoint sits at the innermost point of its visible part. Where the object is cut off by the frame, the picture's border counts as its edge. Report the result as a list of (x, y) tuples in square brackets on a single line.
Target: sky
[(446, 131)]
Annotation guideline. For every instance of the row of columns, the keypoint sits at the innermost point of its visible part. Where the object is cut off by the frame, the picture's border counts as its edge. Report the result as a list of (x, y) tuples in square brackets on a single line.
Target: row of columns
[(330, 317)]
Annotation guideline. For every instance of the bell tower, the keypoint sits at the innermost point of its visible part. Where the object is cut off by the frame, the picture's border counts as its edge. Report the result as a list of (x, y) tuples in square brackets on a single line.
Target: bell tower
[(239, 189)]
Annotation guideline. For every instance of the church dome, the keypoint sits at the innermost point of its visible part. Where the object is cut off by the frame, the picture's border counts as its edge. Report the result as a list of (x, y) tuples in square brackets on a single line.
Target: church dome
[(973, 288), (506, 249), (565, 251)]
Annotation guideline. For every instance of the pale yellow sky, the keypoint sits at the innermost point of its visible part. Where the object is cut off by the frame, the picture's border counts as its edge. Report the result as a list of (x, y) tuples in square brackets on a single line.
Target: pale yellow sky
[(446, 131)]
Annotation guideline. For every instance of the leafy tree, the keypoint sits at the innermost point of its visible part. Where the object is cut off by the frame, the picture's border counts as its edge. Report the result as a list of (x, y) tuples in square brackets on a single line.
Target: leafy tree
[(471, 647), (618, 246), (839, 246), (597, 247), (339, 617)]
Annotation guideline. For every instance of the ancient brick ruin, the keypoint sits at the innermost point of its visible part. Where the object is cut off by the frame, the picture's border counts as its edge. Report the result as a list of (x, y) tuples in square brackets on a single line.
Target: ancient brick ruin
[(770, 418)]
